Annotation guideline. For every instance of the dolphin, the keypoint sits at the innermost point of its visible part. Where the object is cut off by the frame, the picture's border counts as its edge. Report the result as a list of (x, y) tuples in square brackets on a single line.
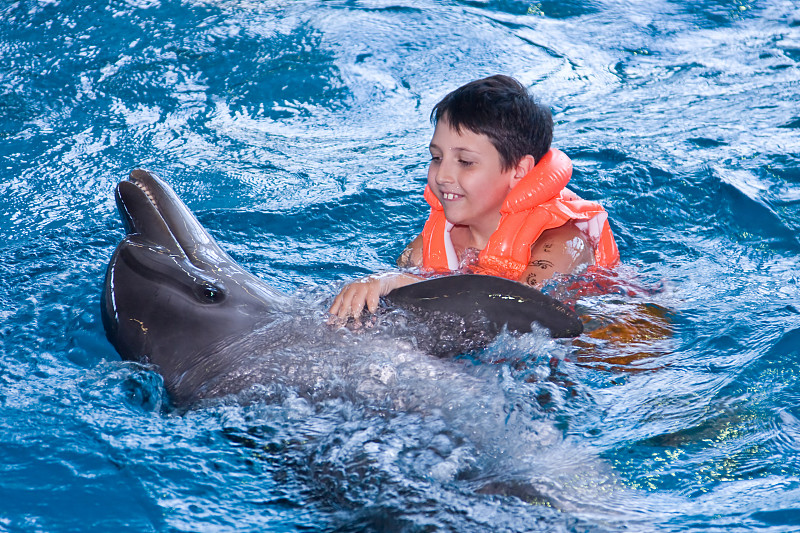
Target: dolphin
[(174, 299)]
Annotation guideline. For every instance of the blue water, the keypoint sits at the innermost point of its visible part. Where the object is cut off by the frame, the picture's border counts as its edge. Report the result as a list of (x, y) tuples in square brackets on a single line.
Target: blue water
[(297, 133)]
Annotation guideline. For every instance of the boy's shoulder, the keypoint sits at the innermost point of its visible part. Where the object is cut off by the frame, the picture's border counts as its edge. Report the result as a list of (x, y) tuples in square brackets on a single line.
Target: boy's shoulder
[(411, 257)]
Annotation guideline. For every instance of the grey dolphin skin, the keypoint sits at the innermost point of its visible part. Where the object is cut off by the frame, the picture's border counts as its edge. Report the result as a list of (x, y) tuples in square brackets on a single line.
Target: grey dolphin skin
[(174, 299)]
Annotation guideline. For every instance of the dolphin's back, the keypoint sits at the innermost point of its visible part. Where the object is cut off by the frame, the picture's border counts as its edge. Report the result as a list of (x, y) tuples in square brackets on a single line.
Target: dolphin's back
[(482, 306)]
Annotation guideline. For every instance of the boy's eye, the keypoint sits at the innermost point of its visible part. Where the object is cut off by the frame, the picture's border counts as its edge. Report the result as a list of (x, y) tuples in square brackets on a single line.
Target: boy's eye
[(435, 158), (466, 163)]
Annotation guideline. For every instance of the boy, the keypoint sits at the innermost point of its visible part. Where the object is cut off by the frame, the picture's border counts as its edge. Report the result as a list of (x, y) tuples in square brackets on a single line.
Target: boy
[(498, 200)]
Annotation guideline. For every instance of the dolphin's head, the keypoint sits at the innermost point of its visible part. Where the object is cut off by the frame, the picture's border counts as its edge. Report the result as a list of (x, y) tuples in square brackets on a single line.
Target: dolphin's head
[(170, 291)]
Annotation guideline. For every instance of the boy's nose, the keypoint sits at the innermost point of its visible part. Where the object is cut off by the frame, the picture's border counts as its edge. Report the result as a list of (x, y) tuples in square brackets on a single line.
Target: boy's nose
[(444, 174)]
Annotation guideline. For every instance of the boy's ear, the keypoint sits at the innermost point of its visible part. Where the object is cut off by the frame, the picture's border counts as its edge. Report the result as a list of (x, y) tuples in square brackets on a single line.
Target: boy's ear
[(522, 169)]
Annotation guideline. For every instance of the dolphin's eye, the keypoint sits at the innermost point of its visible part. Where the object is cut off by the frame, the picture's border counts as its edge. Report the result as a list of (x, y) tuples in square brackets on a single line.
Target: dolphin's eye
[(211, 293)]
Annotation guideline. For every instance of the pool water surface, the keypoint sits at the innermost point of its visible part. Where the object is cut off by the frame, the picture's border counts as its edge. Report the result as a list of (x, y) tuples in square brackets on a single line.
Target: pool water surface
[(298, 132)]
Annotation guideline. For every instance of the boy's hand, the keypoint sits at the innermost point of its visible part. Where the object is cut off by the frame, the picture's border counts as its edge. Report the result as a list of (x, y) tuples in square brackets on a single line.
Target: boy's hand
[(366, 292)]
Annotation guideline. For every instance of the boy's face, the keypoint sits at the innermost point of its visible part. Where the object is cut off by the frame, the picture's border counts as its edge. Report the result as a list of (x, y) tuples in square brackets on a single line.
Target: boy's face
[(466, 175)]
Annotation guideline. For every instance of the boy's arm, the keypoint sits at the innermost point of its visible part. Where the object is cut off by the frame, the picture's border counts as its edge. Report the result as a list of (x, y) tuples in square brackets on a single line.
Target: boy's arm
[(366, 292), (564, 250)]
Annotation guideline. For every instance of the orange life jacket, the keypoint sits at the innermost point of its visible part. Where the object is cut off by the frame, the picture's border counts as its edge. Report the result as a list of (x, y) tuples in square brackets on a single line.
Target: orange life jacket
[(540, 201)]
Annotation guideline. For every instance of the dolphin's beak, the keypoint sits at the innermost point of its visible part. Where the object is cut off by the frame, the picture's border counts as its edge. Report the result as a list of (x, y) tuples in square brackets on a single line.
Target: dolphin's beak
[(154, 213), (141, 217)]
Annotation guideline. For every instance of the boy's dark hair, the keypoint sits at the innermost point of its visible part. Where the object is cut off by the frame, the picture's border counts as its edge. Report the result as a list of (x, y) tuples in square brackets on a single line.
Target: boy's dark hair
[(502, 109)]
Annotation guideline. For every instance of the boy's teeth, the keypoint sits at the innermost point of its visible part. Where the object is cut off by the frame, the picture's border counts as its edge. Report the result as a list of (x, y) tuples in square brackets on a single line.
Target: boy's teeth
[(449, 196)]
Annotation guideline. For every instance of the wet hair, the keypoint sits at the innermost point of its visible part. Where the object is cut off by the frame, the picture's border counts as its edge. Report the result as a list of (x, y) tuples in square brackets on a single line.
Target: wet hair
[(501, 108)]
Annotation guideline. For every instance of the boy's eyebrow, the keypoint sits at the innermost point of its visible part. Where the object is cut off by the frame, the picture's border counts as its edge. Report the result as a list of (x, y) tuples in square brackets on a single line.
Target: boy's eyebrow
[(433, 146)]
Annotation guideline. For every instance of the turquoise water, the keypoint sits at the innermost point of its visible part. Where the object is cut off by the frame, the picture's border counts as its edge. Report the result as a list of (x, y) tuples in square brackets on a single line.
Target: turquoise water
[(297, 133)]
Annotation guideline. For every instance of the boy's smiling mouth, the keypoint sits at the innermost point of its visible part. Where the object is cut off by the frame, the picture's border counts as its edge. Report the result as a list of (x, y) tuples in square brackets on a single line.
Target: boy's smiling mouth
[(450, 196)]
